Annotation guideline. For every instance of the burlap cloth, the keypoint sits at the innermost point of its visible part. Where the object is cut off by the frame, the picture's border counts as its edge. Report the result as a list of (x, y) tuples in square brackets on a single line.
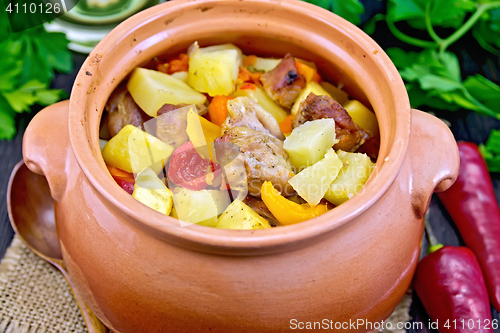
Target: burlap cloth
[(35, 298)]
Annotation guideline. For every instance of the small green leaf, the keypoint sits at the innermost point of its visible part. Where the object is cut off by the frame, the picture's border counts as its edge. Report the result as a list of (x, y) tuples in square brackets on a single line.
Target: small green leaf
[(7, 123), (369, 26), (438, 83), (445, 13), (347, 9), (484, 90), (491, 151), (21, 99), (401, 10), (487, 31), (401, 58), (9, 70), (49, 96)]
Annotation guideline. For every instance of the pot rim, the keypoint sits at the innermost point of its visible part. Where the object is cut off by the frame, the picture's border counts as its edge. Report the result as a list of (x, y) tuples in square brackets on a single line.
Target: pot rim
[(221, 240)]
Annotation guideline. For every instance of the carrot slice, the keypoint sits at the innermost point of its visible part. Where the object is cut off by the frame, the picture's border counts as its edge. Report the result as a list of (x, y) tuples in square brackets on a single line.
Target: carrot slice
[(120, 174), (218, 109), (309, 73), (249, 60), (286, 124), (180, 64)]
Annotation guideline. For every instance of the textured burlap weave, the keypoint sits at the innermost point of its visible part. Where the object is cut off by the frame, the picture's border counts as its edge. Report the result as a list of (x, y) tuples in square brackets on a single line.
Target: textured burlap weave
[(35, 298)]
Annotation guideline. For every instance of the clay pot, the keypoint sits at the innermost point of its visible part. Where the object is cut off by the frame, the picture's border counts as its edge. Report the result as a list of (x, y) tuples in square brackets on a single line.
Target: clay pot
[(139, 271)]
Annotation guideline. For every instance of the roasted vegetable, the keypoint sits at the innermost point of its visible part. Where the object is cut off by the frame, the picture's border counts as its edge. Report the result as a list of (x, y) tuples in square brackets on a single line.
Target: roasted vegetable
[(260, 64), (132, 150), (286, 125), (309, 142), (120, 174), (260, 97), (183, 76), (202, 134), (310, 74), (337, 94), (218, 109), (286, 211), (214, 69), (200, 207), (362, 116), (152, 192), (239, 216), (312, 182), (151, 89), (352, 176)]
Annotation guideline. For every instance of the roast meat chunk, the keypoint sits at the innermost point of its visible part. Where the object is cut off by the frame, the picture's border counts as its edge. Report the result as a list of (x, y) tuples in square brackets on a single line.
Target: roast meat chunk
[(349, 134), (284, 83), (122, 111), (243, 112), (256, 157)]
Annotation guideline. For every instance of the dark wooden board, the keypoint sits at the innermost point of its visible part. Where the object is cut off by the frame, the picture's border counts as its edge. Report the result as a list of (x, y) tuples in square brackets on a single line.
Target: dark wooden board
[(465, 126)]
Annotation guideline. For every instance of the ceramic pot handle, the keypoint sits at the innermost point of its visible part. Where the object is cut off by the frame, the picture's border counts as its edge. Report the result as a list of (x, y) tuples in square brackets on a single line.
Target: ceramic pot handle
[(433, 158), (46, 146)]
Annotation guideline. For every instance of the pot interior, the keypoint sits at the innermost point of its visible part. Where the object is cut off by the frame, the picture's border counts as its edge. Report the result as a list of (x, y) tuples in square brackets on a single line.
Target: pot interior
[(342, 52)]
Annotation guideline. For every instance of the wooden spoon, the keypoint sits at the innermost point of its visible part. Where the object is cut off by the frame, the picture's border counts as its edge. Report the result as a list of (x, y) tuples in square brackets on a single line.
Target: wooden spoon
[(31, 213)]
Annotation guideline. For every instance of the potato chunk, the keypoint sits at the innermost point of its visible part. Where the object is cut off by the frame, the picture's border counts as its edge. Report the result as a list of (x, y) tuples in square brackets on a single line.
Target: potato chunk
[(183, 76), (241, 217), (362, 116), (312, 182), (309, 142), (312, 87), (265, 64), (201, 207), (151, 89), (214, 69), (132, 149), (337, 94), (152, 192), (353, 175), (202, 133), (262, 98)]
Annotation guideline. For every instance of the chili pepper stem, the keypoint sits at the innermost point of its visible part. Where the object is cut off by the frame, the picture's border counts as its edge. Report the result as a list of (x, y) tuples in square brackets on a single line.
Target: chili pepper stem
[(434, 243)]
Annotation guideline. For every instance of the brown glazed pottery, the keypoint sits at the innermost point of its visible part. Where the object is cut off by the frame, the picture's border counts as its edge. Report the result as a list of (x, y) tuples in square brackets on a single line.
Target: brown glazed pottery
[(139, 271)]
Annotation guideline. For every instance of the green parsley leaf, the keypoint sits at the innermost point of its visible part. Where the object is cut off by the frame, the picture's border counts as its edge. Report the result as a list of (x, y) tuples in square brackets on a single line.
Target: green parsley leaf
[(434, 80), (445, 13), (29, 60), (491, 151), (7, 124), (347, 9), (487, 31)]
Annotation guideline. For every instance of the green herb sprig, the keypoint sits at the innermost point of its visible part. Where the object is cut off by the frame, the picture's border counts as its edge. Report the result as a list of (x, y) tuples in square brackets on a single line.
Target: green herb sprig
[(432, 76), (28, 64), (491, 151)]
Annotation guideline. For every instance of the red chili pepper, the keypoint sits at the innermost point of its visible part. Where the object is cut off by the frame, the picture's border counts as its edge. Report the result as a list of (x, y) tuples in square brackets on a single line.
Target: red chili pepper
[(188, 169), (451, 287), (473, 207), (125, 184)]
